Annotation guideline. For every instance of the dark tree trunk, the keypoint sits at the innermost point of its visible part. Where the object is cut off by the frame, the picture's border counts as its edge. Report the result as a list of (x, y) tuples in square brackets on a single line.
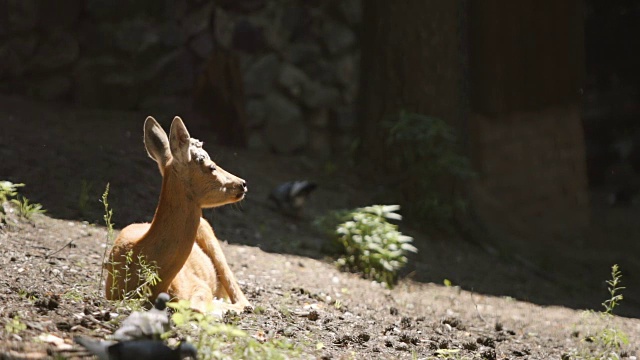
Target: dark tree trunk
[(412, 60), (219, 98)]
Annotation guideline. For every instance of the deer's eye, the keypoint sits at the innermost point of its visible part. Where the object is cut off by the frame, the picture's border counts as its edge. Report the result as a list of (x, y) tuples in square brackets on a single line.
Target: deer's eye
[(212, 167)]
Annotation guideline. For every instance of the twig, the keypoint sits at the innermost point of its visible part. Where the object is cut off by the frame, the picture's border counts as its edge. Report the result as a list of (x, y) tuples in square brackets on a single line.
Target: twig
[(477, 310), (62, 248)]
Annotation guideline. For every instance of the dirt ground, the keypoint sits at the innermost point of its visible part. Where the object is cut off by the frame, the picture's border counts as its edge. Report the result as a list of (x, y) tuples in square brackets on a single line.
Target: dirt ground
[(50, 267)]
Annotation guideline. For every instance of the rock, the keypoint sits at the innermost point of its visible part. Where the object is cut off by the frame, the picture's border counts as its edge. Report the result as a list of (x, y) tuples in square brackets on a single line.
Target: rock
[(256, 113), (295, 22), (165, 106), (302, 53), (320, 70), (15, 55), (174, 73), (346, 69), (105, 82), (10, 63), (60, 14), (223, 28), (248, 37), (337, 37), (345, 118), (319, 118), (243, 6), (285, 130), (260, 76), (57, 50), (256, 141), (202, 44), (198, 20), (53, 88), (316, 95), (350, 11), (18, 16), (293, 80), (320, 144), (171, 35), (136, 36), (114, 11)]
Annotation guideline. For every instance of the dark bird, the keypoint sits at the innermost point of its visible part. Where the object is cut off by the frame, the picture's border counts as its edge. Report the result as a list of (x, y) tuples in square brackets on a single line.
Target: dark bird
[(290, 197), (146, 324), (136, 350)]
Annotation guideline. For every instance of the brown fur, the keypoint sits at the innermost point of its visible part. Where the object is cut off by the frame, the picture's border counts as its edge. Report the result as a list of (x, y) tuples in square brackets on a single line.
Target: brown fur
[(180, 242)]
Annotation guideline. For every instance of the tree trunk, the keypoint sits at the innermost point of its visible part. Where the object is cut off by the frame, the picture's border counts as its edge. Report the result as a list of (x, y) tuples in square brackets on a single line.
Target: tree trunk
[(219, 97), (411, 61)]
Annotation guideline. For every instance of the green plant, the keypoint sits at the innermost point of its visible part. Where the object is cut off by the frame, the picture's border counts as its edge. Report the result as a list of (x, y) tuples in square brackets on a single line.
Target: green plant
[(25, 209), (145, 272), (83, 197), (8, 190), (216, 340), (135, 270), (108, 214), (607, 342), (424, 149), (370, 244), (15, 325)]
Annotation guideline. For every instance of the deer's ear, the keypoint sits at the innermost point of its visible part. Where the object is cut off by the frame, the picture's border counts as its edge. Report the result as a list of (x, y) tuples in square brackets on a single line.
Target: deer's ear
[(179, 141), (156, 143)]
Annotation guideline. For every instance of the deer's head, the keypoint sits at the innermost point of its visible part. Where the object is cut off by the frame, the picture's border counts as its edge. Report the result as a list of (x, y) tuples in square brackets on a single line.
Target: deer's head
[(189, 165)]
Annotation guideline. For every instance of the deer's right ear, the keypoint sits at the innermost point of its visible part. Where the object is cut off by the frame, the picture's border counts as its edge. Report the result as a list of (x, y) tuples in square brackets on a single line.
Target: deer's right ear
[(156, 142)]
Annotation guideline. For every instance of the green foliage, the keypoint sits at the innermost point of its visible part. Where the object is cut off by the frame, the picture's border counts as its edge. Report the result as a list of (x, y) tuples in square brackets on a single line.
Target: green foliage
[(83, 197), (216, 340), (370, 244), (8, 190), (425, 151), (608, 342), (15, 325), (136, 269), (25, 209), (108, 213), (614, 290)]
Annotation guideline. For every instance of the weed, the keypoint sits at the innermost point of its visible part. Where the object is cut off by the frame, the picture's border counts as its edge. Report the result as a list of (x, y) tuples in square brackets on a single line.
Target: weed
[(83, 198), (15, 325), (108, 213), (425, 151), (25, 209), (215, 340), (135, 270), (8, 190), (607, 342), (369, 243)]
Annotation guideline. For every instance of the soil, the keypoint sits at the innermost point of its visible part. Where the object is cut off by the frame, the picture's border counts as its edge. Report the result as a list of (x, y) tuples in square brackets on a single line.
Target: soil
[(497, 308)]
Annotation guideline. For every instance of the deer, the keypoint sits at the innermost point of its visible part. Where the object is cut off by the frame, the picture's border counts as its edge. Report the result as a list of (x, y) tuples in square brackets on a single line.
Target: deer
[(179, 241)]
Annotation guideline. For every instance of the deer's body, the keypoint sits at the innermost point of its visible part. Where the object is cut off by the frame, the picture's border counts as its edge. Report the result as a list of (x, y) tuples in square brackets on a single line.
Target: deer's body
[(183, 246)]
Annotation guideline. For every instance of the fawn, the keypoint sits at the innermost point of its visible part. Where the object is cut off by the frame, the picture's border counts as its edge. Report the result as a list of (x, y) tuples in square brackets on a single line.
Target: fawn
[(179, 241)]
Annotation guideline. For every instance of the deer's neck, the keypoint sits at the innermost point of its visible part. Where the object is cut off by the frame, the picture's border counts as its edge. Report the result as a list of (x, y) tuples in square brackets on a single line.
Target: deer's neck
[(173, 230)]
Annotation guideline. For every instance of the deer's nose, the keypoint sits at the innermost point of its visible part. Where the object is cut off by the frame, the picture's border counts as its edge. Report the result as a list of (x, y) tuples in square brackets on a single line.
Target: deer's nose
[(243, 185)]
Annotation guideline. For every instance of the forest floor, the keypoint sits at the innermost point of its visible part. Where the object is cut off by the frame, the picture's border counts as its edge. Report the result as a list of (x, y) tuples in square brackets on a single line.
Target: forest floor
[(50, 266)]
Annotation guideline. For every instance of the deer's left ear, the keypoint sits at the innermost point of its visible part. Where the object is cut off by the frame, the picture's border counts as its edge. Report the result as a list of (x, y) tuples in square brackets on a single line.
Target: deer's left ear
[(179, 141)]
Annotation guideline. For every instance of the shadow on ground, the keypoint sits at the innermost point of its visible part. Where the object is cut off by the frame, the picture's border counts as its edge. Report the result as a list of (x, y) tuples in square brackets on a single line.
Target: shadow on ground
[(67, 156)]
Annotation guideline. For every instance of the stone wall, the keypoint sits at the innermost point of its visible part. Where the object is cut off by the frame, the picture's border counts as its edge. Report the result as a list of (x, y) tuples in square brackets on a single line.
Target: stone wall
[(299, 60)]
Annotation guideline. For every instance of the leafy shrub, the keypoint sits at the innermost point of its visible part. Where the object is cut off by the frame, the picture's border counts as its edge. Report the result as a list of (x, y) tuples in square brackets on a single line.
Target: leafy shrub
[(370, 244), (26, 210), (8, 190), (425, 151)]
